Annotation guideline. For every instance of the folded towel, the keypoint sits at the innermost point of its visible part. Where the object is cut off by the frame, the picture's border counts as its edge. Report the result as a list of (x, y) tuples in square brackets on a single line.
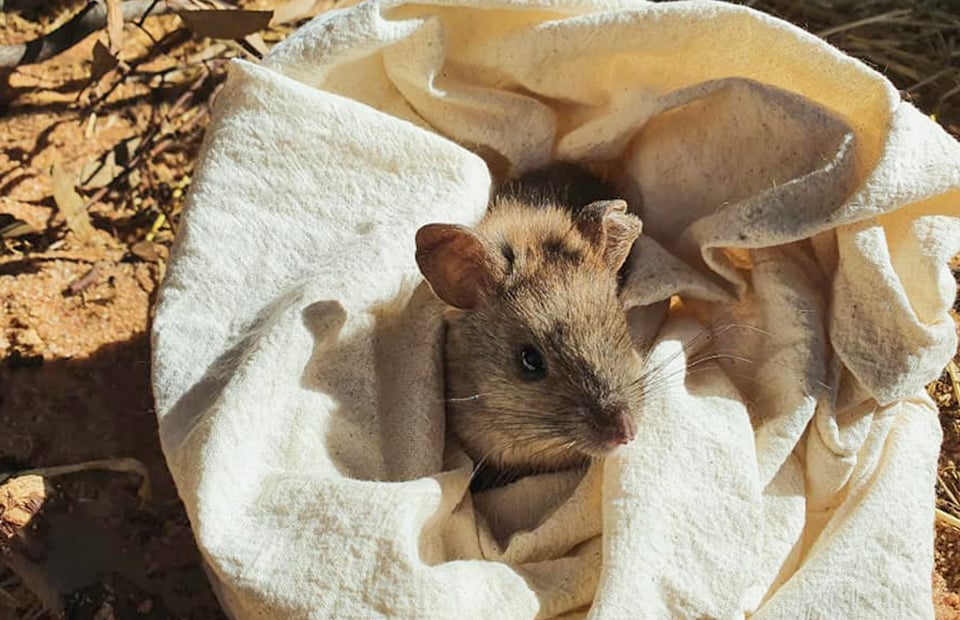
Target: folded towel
[(784, 466)]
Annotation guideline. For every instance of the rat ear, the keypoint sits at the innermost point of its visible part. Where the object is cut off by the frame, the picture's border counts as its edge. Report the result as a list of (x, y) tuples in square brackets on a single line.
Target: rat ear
[(608, 226), (456, 264)]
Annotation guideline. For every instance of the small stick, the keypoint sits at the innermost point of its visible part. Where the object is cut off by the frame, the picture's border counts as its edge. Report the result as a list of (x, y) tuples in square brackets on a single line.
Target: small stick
[(883, 17), (91, 18), (947, 518), (954, 374), (115, 25), (946, 490), (149, 146), (84, 281), (123, 465)]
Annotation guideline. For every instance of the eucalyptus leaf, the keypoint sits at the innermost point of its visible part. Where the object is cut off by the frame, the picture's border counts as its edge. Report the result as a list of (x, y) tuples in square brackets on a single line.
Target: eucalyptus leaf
[(71, 205), (11, 227), (226, 23)]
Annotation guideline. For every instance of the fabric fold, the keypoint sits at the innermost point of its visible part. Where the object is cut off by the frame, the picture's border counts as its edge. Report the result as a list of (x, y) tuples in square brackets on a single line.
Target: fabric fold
[(790, 290)]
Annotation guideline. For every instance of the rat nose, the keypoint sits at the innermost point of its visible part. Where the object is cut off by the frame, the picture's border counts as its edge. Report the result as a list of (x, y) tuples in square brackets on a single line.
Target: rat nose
[(618, 427), (622, 429)]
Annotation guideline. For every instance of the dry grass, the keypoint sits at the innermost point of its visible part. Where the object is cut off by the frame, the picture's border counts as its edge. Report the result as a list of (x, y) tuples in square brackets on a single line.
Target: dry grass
[(915, 44)]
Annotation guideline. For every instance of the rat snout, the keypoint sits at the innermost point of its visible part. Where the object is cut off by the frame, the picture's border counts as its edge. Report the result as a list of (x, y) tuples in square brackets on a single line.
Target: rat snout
[(620, 429), (624, 430), (614, 425)]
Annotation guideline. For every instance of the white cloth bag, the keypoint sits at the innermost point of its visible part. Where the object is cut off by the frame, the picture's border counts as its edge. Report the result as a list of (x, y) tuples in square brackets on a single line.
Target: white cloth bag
[(802, 212)]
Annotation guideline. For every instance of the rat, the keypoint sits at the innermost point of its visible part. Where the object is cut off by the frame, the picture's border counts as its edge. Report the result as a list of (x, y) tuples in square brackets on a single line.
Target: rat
[(541, 373)]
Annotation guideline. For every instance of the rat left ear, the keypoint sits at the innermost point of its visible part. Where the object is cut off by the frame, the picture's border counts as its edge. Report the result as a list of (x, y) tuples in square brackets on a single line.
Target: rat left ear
[(608, 226), (456, 263)]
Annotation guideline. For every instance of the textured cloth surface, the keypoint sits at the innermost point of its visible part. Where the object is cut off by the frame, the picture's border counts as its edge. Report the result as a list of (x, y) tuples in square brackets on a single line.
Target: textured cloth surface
[(801, 212)]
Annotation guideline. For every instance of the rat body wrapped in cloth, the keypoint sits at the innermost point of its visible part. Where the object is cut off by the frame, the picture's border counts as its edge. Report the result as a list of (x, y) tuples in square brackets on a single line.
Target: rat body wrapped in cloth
[(801, 211)]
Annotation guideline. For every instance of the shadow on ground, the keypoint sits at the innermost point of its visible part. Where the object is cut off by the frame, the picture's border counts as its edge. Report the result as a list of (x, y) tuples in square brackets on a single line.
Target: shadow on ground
[(94, 550)]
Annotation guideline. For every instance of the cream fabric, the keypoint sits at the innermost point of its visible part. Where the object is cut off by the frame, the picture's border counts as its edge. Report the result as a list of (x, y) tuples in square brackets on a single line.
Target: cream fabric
[(800, 210)]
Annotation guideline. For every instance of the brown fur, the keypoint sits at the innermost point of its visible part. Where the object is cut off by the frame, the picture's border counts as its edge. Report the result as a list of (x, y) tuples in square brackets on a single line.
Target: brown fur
[(543, 274)]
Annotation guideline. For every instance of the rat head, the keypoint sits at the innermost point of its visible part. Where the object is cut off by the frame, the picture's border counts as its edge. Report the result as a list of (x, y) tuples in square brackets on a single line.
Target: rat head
[(541, 372)]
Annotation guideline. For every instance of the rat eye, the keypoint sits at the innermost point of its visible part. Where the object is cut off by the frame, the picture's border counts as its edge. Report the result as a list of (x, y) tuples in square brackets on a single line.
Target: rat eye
[(532, 366)]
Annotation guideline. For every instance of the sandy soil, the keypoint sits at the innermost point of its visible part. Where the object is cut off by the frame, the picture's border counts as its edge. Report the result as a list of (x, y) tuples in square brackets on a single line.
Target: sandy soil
[(74, 377)]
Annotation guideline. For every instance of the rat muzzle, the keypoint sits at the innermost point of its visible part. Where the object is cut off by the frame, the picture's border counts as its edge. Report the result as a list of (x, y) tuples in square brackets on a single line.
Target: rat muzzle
[(613, 425)]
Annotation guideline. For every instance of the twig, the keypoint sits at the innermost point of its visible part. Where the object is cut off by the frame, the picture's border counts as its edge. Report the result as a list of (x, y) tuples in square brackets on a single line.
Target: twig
[(950, 93), (947, 518), (157, 225), (146, 13), (149, 146), (930, 78), (85, 281), (8, 600), (883, 17), (946, 490), (166, 43), (122, 465), (91, 18), (36, 581), (115, 25), (954, 373)]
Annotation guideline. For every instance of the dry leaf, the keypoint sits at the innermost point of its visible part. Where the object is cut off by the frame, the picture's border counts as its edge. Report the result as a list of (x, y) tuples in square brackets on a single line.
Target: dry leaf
[(115, 25), (257, 43), (145, 250), (11, 227), (71, 205), (226, 24), (99, 173), (295, 10), (103, 61), (20, 500)]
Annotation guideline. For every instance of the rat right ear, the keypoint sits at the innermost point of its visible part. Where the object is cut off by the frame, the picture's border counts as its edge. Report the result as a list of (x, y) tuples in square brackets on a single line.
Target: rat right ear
[(609, 227), (456, 264)]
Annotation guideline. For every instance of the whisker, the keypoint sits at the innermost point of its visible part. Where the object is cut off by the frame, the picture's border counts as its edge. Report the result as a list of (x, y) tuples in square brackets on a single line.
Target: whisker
[(719, 356), (463, 399)]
